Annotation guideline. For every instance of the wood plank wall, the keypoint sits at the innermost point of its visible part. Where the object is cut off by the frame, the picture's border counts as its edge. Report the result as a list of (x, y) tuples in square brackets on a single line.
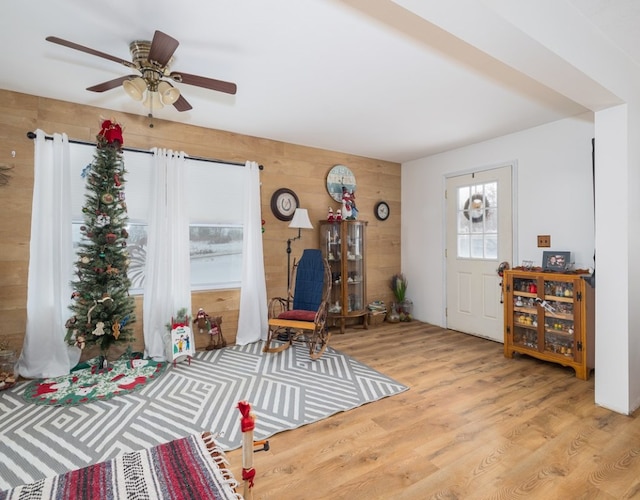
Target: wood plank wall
[(302, 169)]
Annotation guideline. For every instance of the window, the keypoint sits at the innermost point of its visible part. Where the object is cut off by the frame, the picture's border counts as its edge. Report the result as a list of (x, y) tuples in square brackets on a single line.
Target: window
[(216, 201), (478, 221)]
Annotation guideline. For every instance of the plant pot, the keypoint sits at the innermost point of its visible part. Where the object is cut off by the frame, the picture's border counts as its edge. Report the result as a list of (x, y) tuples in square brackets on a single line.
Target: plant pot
[(394, 315), (405, 310)]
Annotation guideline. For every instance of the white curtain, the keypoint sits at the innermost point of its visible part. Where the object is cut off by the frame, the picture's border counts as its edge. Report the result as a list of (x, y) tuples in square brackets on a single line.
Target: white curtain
[(44, 351), (167, 287), (252, 320)]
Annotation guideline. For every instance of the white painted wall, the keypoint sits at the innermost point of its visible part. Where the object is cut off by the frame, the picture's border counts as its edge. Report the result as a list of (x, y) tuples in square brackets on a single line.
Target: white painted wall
[(612, 238), (553, 195)]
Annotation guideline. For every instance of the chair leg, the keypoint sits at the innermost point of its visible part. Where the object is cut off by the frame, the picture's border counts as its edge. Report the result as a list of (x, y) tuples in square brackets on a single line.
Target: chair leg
[(273, 337), (321, 335), (319, 342)]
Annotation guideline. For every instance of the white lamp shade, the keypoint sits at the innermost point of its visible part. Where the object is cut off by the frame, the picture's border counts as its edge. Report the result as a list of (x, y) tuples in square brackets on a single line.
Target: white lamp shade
[(301, 219), (168, 93), (135, 87), (152, 101)]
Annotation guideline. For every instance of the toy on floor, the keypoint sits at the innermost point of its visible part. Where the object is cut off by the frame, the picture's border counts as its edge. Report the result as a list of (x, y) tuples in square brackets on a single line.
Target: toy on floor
[(216, 340), (201, 321)]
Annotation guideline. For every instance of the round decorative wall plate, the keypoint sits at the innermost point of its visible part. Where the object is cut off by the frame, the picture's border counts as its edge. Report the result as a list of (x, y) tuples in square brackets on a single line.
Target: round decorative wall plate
[(340, 177), (381, 211), (284, 203)]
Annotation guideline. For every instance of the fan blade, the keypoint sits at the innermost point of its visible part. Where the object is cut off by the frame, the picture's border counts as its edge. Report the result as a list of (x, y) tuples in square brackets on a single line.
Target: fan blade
[(93, 52), (111, 84), (182, 104), (162, 48), (207, 83)]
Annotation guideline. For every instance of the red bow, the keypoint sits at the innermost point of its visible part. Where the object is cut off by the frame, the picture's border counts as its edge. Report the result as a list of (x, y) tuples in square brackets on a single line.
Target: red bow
[(112, 132), (249, 475), (247, 422)]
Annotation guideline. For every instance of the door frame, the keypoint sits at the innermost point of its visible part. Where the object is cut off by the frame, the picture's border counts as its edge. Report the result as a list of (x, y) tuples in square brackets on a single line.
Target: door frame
[(514, 219)]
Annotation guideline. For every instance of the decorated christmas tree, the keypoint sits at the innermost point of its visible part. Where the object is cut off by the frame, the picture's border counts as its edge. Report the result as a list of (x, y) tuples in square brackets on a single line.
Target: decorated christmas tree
[(103, 310)]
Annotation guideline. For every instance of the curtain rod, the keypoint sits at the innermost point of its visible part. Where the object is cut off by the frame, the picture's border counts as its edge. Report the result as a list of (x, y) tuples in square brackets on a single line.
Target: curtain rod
[(32, 135)]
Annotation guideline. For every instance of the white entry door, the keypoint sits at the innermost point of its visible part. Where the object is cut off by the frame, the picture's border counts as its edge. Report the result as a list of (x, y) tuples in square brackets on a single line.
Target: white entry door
[(479, 238)]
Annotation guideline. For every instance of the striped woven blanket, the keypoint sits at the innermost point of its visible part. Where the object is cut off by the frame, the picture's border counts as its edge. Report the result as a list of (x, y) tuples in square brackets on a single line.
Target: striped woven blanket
[(191, 468)]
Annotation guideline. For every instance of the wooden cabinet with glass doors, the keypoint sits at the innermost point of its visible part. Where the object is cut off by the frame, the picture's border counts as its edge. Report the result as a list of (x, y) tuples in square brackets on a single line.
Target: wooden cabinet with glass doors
[(343, 245), (550, 316)]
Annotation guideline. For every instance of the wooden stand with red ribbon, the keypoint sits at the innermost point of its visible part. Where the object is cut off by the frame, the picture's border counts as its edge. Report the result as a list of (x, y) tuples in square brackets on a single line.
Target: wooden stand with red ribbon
[(247, 425)]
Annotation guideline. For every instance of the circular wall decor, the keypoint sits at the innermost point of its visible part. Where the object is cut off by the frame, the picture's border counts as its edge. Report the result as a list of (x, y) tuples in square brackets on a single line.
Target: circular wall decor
[(284, 203), (381, 210), (340, 177), (476, 208)]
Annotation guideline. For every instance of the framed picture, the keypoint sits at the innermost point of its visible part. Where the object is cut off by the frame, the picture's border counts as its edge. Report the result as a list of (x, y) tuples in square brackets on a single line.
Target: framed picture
[(555, 261)]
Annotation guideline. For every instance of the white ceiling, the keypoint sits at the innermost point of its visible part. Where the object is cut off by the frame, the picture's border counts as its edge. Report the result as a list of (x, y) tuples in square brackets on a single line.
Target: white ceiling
[(364, 77)]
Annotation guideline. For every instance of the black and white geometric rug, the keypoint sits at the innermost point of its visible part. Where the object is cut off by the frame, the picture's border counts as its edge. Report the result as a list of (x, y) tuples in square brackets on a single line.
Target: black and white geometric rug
[(286, 390)]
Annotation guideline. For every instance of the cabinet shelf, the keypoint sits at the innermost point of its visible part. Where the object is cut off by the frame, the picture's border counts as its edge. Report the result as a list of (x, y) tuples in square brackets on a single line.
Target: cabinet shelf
[(560, 316), (559, 332), (526, 310), (558, 299), (530, 327), (554, 320)]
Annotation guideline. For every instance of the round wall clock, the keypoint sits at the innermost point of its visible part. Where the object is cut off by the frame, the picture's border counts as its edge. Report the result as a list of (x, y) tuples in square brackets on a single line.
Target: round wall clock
[(381, 211), (340, 177), (284, 203)]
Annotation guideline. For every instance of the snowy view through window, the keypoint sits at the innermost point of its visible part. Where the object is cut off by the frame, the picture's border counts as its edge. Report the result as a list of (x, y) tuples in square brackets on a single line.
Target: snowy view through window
[(216, 255)]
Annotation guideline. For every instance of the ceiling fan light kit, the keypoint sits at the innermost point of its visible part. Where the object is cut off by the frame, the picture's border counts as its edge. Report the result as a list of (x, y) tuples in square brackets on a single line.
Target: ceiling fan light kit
[(135, 88), (152, 60), (168, 93)]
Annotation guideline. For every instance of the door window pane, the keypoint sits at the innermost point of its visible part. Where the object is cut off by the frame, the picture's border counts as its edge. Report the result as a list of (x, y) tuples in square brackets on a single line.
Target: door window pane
[(478, 221)]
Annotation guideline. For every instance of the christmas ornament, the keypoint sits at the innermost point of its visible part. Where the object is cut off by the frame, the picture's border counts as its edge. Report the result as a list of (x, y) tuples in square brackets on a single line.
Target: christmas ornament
[(103, 220), (85, 171), (107, 198), (99, 329), (80, 341), (116, 330)]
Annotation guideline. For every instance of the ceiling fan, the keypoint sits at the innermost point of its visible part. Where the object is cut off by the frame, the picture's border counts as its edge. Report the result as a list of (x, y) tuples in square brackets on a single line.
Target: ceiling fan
[(152, 60)]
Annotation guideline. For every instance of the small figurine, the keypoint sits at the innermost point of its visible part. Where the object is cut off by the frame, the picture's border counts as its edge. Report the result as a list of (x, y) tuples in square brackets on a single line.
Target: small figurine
[(349, 210), (338, 215), (216, 340), (202, 321), (330, 217)]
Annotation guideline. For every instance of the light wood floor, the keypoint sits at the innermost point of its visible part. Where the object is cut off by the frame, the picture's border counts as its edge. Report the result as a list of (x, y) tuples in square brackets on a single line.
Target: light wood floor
[(472, 425)]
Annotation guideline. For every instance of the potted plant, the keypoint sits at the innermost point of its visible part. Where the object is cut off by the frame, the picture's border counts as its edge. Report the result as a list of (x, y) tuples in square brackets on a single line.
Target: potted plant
[(403, 306)]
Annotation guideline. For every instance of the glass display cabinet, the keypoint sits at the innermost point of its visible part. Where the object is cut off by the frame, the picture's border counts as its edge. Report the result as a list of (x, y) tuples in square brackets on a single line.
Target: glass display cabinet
[(550, 316), (343, 245)]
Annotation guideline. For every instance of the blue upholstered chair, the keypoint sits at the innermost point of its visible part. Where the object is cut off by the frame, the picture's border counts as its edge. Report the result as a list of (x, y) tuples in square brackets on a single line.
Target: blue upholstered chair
[(302, 315)]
